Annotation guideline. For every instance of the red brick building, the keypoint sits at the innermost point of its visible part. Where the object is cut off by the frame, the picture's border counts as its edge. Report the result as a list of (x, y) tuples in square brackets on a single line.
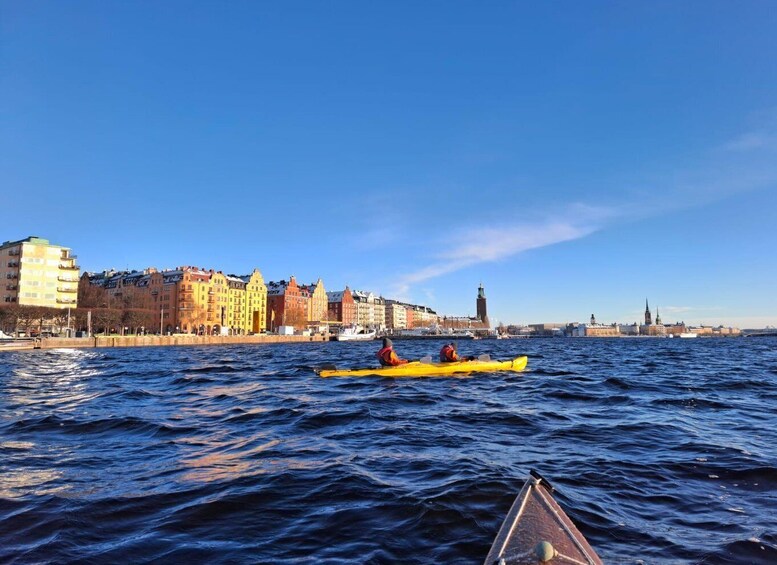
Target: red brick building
[(341, 306), (287, 305)]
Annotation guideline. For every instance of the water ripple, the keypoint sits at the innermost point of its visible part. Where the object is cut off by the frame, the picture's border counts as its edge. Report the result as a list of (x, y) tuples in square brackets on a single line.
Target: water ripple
[(662, 451)]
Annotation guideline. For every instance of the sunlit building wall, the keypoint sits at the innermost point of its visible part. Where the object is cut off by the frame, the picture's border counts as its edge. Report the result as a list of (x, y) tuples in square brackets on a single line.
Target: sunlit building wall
[(255, 302), (34, 272)]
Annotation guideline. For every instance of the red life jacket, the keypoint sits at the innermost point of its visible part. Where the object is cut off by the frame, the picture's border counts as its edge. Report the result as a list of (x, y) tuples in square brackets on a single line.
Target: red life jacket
[(386, 358), (448, 354)]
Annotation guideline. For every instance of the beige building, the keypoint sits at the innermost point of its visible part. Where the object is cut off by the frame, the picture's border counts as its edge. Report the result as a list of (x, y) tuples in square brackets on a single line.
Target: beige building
[(365, 308), (396, 315), (601, 330), (36, 273), (380, 312), (318, 304), (424, 317)]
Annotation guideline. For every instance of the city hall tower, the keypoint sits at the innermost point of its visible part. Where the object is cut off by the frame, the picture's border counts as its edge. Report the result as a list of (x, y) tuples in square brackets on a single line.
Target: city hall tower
[(481, 306)]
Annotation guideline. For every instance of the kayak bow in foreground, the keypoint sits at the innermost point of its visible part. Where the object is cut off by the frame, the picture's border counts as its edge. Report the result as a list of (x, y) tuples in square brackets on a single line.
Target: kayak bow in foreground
[(418, 369), (537, 530)]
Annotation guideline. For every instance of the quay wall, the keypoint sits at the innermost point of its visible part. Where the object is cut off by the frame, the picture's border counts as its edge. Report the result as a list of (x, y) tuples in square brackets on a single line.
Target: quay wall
[(171, 340)]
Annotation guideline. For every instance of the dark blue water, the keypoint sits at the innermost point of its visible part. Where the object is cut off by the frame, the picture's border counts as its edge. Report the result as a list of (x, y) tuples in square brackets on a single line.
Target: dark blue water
[(663, 451)]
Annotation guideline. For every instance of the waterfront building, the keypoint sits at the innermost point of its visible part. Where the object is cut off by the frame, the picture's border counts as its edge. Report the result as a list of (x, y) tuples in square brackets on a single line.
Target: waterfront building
[(654, 330), (480, 303), (479, 322), (396, 315), (187, 299), (218, 303), (236, 319), (380, 312), (255, 313), (601, 330), (342, 307), (318, 304), (424, 317), (629, 329), (193, 303), (458, 322), (676, 329), (35, 272), (287, 305), (548, 329), (164, 290), (409, 318), (365, 308)]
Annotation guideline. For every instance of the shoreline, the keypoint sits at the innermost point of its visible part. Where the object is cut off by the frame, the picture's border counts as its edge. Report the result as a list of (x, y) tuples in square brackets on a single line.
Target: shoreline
[(153, 341)]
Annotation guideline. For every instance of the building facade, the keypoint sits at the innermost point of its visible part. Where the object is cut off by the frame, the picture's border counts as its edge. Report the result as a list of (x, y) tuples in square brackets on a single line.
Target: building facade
[(187, 299), (255, 314), (34, 272), (396, 315), (318, 304), (342, 307), (287, 305)]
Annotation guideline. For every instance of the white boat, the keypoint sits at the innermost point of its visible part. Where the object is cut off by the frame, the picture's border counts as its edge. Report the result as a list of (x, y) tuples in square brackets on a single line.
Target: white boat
[(354, 333), (688, 335)]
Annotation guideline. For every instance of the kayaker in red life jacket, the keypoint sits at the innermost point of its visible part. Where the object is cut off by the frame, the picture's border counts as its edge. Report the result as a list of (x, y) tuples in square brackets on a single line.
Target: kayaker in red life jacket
[(387, 356), (449, 354)]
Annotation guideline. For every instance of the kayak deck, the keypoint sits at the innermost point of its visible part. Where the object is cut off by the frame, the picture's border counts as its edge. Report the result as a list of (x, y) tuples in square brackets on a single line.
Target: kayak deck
[(537, 530), (418, 369)]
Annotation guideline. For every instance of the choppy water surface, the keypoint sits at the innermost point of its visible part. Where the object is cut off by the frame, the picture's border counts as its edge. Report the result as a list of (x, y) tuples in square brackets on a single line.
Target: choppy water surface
[(663, 451)]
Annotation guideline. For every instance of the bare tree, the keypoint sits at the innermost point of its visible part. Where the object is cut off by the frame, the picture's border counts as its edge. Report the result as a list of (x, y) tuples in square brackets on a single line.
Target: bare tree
[(295, 316), (104, 319), (9, 317)]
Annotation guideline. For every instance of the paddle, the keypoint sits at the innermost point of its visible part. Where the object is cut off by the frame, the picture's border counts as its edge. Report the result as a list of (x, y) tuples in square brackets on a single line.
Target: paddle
[(327, 367)]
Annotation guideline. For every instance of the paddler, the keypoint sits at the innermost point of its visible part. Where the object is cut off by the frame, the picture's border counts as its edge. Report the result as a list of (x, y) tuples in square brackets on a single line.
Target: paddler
[(387, 356), (450, 354)]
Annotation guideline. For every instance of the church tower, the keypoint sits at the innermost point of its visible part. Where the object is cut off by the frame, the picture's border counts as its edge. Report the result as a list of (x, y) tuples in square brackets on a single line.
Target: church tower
[(658, 318), (481, 306), (648, 317), (593, 320)]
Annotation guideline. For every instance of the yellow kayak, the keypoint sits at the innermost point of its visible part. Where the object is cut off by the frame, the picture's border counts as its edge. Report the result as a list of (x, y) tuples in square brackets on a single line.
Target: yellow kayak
[(419, 369), (537, 530)]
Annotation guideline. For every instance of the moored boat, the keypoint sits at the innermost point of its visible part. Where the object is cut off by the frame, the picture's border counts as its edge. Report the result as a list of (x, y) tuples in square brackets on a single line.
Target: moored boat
[(537, 530), (354, 333)]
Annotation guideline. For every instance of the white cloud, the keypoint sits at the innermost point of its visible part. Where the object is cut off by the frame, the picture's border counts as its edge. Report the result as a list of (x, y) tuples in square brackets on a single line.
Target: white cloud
[(478, 245), (752, 141), (713, 180)]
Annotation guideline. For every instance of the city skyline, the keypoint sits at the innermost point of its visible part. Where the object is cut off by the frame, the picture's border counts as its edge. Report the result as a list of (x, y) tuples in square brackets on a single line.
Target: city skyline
[(574, 160)]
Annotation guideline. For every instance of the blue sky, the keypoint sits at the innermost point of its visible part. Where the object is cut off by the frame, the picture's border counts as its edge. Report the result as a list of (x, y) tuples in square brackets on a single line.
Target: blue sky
[(575, 157)]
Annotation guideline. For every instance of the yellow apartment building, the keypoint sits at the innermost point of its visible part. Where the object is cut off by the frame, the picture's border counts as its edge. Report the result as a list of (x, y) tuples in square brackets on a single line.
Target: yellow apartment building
[(34, 272), (236, 318), (190, 299), (218, 302), (255, 312)]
